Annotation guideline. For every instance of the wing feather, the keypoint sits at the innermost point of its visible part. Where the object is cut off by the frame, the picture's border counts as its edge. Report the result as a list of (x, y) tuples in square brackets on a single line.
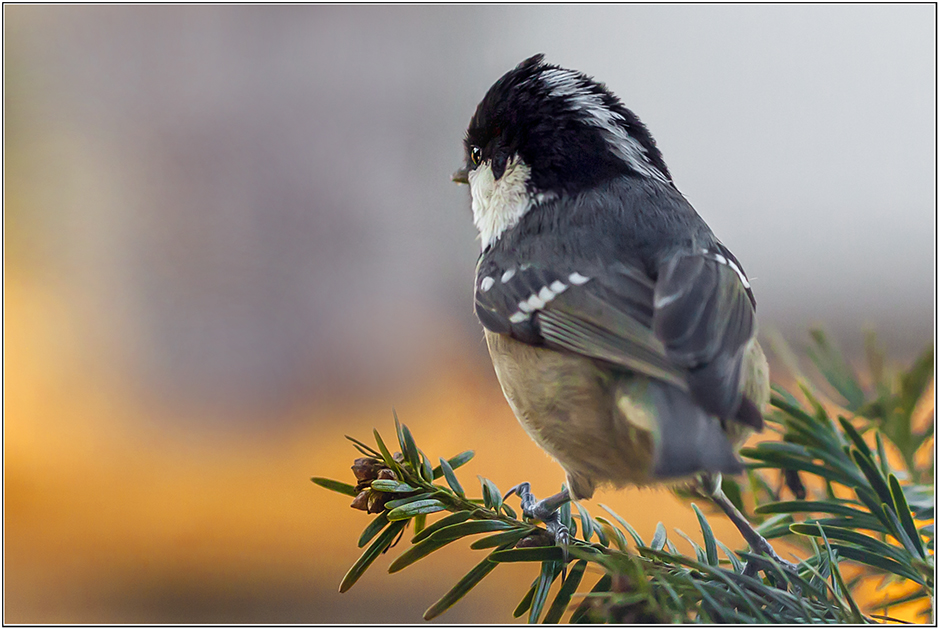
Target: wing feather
[(690, 328), (705, 318)]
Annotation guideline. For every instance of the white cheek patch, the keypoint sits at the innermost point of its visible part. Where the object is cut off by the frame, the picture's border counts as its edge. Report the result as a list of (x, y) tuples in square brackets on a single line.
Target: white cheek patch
[(498, 204)]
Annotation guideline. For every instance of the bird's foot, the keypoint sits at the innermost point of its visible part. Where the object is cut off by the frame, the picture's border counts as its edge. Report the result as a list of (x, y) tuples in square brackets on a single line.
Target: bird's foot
[(763, 554), (760, 547), (546, 511)]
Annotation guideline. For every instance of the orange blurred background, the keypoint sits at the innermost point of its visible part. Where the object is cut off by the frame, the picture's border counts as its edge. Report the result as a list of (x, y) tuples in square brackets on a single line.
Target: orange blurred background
[(117, 512), (230, 239)]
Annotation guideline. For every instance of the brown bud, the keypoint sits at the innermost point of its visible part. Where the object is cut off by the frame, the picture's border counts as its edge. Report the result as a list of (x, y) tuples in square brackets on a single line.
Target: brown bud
[(361, 502), (539, 538), (387, 473), (377, 501), (630, 613), (621, 584), (365, 468)]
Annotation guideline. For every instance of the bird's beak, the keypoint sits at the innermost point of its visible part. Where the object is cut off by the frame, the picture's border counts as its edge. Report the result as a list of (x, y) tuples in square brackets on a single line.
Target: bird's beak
[(461, 176)]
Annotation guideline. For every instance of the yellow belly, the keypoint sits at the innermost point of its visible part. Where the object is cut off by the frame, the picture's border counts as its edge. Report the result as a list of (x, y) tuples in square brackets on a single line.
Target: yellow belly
[(595, 423), (566, 404)]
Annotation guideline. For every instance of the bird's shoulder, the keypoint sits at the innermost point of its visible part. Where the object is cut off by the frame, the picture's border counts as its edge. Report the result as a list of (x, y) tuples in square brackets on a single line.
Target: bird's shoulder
[(630, 220), (618, 234)]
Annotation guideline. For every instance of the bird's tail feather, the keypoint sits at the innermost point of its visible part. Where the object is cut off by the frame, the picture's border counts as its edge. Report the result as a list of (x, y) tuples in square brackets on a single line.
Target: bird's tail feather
[(687, 439)]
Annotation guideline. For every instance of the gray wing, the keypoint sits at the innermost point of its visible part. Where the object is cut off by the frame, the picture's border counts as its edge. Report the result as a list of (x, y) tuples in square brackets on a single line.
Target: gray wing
[(605, 314), (704, 316), (689, 328)]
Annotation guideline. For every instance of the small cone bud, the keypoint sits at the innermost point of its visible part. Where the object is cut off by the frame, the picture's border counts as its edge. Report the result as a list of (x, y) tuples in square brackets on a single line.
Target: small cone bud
[(361, 502), (387, 473), (377, 501), (365, 468)]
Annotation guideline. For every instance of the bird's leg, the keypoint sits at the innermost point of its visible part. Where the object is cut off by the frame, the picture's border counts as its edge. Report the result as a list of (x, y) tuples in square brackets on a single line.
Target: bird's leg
[(546, 511), (711, 484)]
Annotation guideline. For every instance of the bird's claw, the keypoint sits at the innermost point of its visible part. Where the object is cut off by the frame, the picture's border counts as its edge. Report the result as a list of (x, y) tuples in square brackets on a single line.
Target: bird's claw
[(526, 498), (766, 562), (547, 512)]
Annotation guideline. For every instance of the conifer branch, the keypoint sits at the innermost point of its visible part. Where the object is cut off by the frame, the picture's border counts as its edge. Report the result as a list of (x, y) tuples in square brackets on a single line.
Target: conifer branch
[(850, 506)]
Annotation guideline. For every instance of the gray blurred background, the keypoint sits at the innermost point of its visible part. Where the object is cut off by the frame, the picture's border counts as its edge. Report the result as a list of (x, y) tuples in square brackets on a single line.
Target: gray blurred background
[(252, 201), (245, 208)]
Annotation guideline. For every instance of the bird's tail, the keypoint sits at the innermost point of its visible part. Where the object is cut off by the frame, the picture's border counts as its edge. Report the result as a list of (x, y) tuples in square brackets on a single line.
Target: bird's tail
[(687, 440)]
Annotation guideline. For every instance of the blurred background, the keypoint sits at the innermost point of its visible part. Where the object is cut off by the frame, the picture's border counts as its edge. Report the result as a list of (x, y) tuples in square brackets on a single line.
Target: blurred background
[(231, 238)]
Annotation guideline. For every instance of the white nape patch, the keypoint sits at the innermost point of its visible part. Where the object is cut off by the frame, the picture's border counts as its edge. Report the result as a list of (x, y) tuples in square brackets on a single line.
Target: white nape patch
[(486, 284), (727, 261), (507, 275), (518, 317), (577, 279), (498, 204), (568, 85)]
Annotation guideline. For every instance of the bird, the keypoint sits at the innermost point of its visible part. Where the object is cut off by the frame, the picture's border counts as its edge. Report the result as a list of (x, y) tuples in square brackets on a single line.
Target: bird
[(623, 333)]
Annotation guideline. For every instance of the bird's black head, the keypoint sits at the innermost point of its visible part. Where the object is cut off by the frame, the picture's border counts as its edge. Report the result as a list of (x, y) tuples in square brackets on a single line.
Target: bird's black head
[(569, 129), (541, 132)]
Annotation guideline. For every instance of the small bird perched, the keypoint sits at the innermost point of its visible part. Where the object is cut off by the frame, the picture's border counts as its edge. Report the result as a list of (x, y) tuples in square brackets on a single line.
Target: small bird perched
[(622, 331)]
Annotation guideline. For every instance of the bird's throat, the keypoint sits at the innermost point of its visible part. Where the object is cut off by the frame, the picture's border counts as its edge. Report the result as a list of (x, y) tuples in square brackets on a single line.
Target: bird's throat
[(499, 204)]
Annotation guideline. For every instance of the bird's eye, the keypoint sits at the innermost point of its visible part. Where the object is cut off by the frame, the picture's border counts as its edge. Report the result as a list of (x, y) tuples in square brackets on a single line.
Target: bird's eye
[(476, 155)]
